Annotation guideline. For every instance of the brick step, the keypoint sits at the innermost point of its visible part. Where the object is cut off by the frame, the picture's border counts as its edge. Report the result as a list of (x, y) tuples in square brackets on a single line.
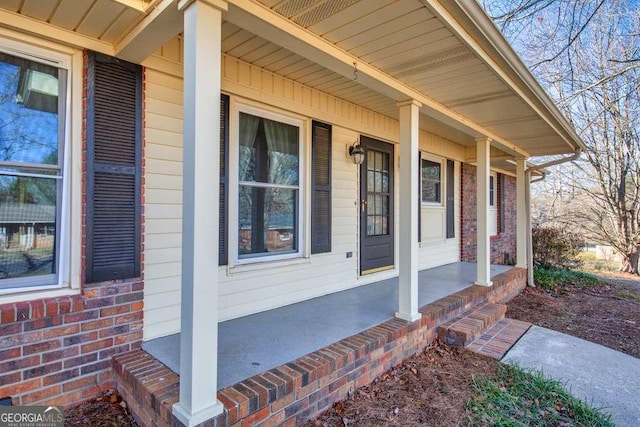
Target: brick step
[(464, 329), (499, 338)]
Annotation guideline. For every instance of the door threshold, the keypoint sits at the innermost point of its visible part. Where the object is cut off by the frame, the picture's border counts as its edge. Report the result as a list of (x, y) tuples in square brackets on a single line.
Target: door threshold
[(376, 270)]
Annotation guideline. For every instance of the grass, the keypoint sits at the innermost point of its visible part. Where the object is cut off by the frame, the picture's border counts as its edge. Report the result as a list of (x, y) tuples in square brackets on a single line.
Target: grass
[(515, 397), (627, 295), (557, 280), (589, 262)]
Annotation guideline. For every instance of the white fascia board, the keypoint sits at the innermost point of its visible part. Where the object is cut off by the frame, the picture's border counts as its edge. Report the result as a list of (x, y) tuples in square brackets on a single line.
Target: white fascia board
[(161, 24)]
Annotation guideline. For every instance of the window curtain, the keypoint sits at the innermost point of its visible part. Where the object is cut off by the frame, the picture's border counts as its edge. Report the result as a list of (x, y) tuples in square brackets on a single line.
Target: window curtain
[(282, 142), (248, 130)]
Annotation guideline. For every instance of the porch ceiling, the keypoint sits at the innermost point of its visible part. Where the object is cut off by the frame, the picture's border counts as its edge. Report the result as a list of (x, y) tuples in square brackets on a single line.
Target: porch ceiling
[(447, 54), (104, 20), (411, 41)]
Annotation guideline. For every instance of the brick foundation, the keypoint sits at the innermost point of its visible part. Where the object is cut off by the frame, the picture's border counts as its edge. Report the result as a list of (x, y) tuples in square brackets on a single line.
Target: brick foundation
[(58, 350), (503, 246), (303, 388)]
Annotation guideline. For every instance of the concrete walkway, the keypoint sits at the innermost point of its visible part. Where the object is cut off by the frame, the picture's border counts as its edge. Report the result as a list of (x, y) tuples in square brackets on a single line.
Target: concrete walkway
[(606, 378)]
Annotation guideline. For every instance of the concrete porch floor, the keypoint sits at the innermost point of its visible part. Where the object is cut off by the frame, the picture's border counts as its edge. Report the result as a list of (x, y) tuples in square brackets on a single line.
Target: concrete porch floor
[(253, 344)]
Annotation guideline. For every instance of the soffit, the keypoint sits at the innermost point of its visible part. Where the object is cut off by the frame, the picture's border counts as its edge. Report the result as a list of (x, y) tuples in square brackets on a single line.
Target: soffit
[(405, 40), (104, 20)]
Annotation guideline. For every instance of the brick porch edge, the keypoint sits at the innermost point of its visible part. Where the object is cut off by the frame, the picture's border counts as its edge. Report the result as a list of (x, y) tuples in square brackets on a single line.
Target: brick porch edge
[(295, 391)]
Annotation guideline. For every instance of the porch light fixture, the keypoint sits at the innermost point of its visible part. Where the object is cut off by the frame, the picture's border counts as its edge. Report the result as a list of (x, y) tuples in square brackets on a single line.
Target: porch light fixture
[(357, 153)]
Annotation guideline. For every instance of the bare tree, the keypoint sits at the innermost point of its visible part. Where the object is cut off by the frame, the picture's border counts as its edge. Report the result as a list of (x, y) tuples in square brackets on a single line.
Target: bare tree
[(587, 54)]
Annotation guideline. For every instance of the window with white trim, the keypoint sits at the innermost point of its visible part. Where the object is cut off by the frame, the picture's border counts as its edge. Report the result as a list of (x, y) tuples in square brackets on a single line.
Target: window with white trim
[(269, 190), (492, 189), (431, 175), (33, 110), (493, 208)]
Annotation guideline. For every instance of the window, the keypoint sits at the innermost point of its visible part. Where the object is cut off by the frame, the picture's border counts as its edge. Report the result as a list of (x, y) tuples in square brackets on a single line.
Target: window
[(32, 129), (269, 189), (450, 192), (431, 181), (492, 190), (493, 208)]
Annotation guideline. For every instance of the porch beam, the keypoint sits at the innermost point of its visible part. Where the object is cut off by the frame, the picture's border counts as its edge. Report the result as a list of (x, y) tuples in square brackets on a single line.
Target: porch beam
[(409, 185), (201, 159), (162, 24), (521, 213), (483, 241), (274, 27)]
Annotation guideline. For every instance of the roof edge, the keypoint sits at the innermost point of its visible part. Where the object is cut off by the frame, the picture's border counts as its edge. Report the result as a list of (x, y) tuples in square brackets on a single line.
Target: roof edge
[(498, 48)]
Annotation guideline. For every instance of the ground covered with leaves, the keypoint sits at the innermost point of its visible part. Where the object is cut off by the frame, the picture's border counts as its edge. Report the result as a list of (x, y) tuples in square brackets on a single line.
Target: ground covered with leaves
[(106, 410), (605, 311), (445, 386), (430, 389)]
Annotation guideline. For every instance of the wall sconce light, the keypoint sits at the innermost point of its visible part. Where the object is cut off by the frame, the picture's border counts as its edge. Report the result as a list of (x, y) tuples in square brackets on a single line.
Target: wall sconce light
[(357, 153)]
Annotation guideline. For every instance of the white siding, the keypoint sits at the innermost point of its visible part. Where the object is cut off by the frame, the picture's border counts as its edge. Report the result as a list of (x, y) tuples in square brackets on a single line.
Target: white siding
[(163, 203), (243, 291), (435, 248)]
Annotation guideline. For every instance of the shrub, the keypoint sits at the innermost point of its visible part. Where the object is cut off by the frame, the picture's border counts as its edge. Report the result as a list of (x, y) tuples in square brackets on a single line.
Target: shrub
[(556, 248)]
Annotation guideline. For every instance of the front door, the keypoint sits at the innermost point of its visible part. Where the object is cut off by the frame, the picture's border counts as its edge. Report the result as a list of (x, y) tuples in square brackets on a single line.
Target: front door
[(376, 206)]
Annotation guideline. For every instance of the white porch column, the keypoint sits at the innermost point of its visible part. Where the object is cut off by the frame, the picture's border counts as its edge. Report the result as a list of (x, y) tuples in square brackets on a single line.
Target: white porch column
[(201, 173), (409, 184), (483, 148), (521, 214), (527, 201)]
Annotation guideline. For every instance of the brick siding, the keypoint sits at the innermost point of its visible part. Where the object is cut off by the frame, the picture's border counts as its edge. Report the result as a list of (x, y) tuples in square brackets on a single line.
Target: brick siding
[(57, 351), (293, 392), (503, 246)]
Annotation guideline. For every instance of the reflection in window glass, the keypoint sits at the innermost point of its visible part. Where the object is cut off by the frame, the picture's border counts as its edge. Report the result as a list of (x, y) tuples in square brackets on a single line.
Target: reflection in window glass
[(267, 220), (28, 111), (30, 183), (431, 181), (268, 199), (27, 227)]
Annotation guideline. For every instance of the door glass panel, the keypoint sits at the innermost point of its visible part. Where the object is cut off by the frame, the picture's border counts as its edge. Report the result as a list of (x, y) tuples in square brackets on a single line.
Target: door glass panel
[(378, 182), (370, 230), (377, 193)]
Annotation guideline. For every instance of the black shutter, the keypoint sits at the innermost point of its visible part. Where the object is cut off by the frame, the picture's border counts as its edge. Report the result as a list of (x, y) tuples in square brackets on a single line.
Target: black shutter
[(113, 159), (321, 188), (451, 209), (419, 197), (501, 203), (224, 180)]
